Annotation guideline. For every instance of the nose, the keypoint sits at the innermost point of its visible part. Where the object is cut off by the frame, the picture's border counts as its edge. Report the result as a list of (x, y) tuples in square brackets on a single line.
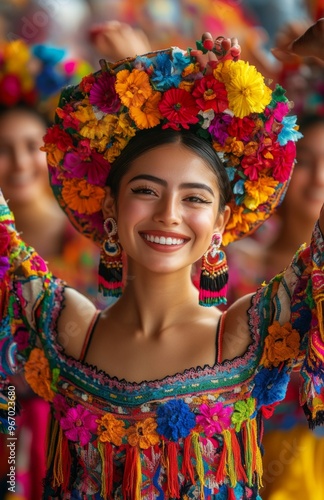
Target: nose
[(168, 210)]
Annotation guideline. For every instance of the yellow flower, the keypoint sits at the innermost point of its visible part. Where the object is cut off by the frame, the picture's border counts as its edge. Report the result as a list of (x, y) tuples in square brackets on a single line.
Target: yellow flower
[(97, 129), (148, 115), (259, 191), (111, 430), (192, 68), (38, 374), (246, 90), (143, 434), (124, 128), (222, 71), (81, 196), (99, 144), (84, 112), (133, 87), (237, 147)]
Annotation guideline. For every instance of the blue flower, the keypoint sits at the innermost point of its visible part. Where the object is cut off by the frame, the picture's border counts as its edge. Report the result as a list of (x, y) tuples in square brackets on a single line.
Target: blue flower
[(270, 386), (175, 419), (288, 131), (180, 61), (164, 76)]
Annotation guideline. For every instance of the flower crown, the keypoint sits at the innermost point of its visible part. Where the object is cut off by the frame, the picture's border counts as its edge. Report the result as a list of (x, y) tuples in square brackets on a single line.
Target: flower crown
[(229, 106), (34, 75)]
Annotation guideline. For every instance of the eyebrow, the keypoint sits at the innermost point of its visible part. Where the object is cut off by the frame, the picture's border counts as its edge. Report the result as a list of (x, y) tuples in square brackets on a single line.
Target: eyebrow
[(162, 182)]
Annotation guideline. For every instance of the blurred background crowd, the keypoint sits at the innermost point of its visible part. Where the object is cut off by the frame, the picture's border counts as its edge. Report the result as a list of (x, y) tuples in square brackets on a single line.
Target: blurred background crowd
[(75, 34)]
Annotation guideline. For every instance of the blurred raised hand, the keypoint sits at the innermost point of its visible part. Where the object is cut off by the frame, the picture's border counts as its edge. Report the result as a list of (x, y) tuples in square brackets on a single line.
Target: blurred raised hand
[(115, 40)]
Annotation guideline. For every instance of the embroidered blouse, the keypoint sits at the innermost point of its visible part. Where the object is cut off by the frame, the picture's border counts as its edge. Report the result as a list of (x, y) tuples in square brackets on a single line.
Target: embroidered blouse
[(192, 435)]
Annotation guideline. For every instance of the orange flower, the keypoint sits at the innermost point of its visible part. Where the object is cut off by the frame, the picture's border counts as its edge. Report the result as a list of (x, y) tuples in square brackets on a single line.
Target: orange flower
[(133, 87), (143, 434), (111, 429), (54, 155), (38, 374), (257, 192), (148, 115), (81, 196), (281, 344)]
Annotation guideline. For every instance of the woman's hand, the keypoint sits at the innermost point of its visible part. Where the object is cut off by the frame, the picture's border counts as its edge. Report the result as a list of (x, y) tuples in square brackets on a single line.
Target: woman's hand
[(309, 44), (115, 40)]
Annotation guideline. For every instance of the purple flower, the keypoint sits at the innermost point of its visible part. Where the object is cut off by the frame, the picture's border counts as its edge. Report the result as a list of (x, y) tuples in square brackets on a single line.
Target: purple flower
[(218, 128), (214, 418), (79, 424), (4, 266), (95, 170), (175, 419), (103, 94)]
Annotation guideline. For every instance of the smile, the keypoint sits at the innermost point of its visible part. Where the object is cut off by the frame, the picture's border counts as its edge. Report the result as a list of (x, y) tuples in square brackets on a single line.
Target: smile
[(162, 240)]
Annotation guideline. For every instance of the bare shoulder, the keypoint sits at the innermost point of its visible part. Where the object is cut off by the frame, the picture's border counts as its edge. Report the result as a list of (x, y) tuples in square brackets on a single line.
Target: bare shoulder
[(74, 321), (236, 336)]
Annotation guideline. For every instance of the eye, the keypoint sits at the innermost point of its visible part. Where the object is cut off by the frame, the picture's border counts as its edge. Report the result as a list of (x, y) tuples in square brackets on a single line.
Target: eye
[(143, 190), (197, 199)]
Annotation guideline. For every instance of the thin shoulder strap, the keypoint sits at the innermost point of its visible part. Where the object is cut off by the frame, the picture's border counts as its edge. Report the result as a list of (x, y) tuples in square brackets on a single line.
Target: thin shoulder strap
[(219, 337), (88, 336)]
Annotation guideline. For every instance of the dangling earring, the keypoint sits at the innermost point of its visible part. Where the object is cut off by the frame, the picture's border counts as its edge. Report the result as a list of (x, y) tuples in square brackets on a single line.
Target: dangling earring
[(111, 265), (214, 275)]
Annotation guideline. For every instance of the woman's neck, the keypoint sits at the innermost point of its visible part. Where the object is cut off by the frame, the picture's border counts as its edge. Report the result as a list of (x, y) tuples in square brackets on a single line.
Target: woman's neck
[(154, 301)]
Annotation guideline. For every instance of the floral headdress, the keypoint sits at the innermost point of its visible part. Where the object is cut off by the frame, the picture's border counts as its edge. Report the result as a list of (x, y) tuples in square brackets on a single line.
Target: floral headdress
[(34, 75), (231, 107)]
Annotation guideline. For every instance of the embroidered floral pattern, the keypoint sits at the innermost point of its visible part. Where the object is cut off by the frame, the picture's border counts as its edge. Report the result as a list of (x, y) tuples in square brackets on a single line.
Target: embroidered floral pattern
[(175, 419), (38, 374), (214, 419), (243, 410), (79, 424), (143, 434), (281, 344), (111, 430)]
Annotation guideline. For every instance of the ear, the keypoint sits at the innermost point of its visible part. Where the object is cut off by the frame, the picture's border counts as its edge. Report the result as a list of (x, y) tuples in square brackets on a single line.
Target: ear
[(109, 204), (222, 219)]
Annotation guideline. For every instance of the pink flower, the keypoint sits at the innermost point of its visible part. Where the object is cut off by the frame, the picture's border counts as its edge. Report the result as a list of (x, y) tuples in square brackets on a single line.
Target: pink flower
[(79, 424), (84, 150), (214, 419), (37, 264), (10, 90), (103, 94), (22, 338), (95, 170)]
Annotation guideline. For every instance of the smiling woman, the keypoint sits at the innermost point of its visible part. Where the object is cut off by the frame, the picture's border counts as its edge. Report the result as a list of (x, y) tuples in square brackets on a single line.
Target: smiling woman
[(157, 159)]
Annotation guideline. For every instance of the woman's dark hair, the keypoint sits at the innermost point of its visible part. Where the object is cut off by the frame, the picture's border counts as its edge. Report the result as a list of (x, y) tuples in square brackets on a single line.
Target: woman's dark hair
[(149, 139), (307, 120), (25, 108)]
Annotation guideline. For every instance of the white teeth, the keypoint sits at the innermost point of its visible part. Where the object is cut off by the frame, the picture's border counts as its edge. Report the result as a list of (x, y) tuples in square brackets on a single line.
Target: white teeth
[(163, 241)]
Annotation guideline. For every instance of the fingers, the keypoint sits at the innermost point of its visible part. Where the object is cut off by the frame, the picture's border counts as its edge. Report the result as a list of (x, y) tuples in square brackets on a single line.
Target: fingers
[(308, 44)]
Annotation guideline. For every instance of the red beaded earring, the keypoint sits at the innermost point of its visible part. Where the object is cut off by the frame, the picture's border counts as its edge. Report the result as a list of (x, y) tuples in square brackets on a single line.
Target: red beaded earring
[(111, 265), (214, 275)]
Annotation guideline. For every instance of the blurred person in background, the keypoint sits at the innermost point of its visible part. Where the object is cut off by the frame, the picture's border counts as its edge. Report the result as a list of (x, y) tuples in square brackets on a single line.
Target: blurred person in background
[(30, 81), (298, 468)]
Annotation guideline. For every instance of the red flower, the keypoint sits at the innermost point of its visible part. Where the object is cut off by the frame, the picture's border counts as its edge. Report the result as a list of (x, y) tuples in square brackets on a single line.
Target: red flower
[(241, 128), (284, 162), (211, 94), (86, 83), (4, 239), (179, 108), (57, 136)]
